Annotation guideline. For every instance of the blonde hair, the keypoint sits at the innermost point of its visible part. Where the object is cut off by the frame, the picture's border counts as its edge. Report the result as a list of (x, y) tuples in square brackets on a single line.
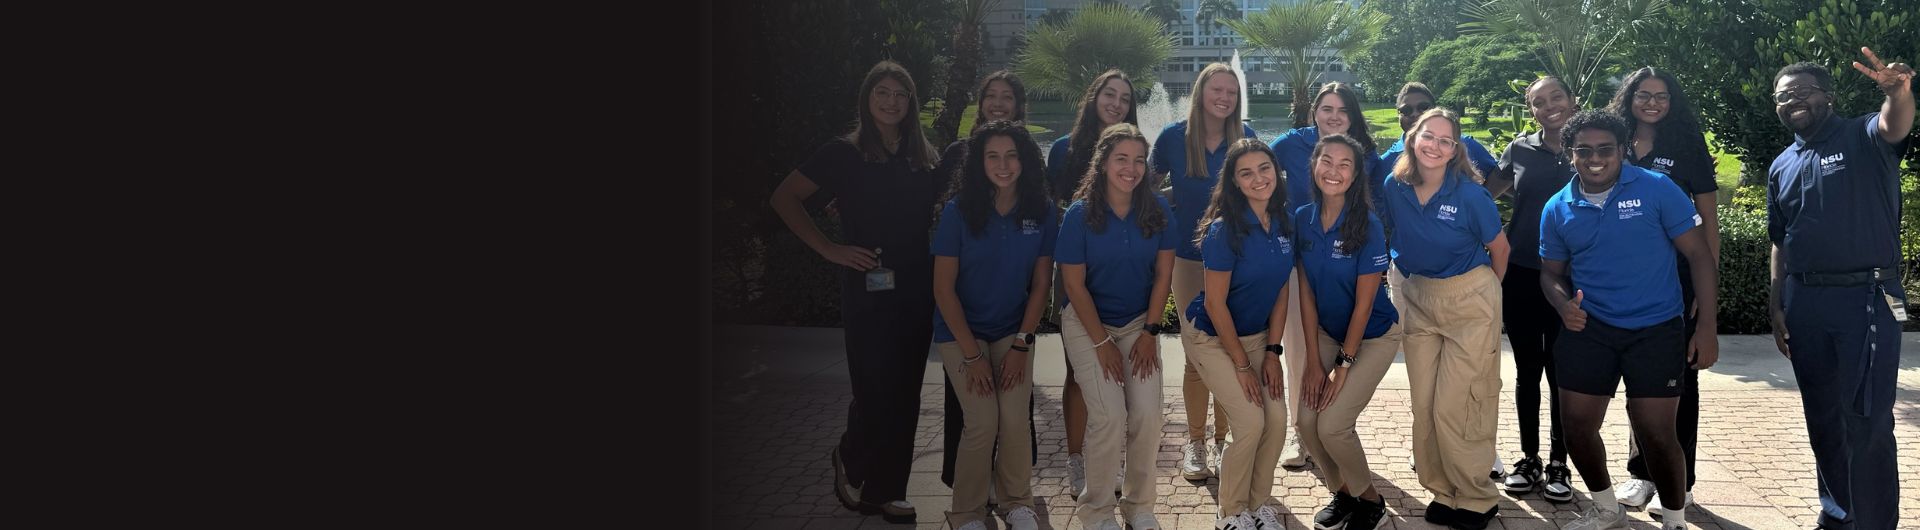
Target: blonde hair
[(1230, 128), (1408, 173)]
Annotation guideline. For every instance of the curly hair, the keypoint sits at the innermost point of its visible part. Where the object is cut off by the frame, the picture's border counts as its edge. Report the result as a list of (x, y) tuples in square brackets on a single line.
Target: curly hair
[(1093, 187), (1680, 128), (1595, 119), (973, 191)]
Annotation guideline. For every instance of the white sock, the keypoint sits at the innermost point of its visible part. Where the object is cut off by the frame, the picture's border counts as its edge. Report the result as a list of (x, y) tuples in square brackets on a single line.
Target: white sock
[(1673, 518), (1605, 500)]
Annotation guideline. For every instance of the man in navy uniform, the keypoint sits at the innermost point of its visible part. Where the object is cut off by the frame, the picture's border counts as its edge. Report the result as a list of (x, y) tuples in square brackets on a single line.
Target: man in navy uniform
[(1833, 214)]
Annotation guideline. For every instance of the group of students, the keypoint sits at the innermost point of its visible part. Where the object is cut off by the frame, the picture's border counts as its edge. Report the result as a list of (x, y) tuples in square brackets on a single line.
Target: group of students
[(1275, 254)]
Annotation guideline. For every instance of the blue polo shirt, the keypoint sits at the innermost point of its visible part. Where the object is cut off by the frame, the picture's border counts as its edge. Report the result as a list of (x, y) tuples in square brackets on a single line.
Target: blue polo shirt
[(1334, 275), (1295, 150), (1259, 271), (1445, 237), (1621, 252), (1477, 154), (1119, 259), (1191, 193), (996, 268), (1833, 200)]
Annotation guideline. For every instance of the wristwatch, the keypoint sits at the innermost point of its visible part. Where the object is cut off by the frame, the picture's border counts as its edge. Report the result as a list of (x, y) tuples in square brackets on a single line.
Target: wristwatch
[(1276, 349), (1343, 360), (1155, 328), (1025, 338)]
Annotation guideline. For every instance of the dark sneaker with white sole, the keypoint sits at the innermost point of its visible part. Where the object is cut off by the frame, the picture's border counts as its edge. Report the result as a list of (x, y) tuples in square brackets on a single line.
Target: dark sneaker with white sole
[(1557, 489), (1525, 475), (1332, 517), (1367, 515)]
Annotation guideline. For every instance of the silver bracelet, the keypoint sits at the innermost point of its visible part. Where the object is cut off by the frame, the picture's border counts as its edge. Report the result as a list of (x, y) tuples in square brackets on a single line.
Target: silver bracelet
[(965, 361), (1096, 345)]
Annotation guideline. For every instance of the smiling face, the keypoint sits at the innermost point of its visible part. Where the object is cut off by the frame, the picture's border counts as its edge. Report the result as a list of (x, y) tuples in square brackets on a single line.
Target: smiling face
[(1433, 143), (1114, 101), (1596, 157), (1550, 105), (888, 102), (1125, 165), (1330, 114), (1333, 171), (1221, 96), (1651, 101), (1254, 174), (997, 102), (1410, 106), (1002, 162), (1808, 106)]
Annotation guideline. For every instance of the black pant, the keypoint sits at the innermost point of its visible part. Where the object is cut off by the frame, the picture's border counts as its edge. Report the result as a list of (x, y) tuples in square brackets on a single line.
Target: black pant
[(957, 421), (888, 335), (1686, 422), (1532, 327)]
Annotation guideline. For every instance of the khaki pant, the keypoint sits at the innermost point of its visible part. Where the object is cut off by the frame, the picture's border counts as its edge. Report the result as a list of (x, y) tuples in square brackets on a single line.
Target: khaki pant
[(1329, 434), (1117, 414), (1187, 277), (1259, 433), (1293, 340), (1001, 416), (1452, 342)]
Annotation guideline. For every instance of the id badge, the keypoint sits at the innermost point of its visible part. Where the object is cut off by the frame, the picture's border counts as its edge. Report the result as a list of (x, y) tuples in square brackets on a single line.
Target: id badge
[(1897, 304), (881, 279)]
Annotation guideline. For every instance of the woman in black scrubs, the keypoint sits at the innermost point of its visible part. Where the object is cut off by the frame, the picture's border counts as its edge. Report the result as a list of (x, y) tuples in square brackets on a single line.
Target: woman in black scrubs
[(882, 178)]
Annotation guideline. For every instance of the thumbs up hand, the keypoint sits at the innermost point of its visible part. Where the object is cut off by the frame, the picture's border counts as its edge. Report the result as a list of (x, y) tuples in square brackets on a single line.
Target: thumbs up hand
[(1572, 315)]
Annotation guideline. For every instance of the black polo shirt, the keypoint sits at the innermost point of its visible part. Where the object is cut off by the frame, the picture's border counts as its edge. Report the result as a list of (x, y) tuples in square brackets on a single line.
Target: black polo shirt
[(1536, 174), (1833, 200), (1686, 162), (886, 205)]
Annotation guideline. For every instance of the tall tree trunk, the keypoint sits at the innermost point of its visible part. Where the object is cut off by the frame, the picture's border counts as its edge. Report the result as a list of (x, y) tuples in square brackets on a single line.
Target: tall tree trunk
[(960, 78), (1302, 109)]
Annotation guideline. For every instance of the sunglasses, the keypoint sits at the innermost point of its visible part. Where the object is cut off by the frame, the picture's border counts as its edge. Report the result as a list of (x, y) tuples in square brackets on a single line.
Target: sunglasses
[(1800, 92), (1414, 108), (1605, 151)]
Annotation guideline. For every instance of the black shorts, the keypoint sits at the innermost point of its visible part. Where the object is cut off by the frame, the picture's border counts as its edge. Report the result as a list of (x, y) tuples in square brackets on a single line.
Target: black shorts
[(1653, 359)]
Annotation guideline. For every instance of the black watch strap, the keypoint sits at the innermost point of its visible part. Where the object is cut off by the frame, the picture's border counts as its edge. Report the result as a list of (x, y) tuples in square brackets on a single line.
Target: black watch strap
[(1276, 349)]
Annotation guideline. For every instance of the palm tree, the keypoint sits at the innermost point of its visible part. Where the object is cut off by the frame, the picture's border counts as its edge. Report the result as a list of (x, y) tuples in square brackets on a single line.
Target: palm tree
[(965, 67), (1063, 59), (1572, 38), (1289, 31), (1168, 11), (1055, 17)]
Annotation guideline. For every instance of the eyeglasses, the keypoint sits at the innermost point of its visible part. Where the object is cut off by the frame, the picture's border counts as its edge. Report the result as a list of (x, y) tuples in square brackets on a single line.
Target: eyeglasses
[(1800, 93), (1644, 96), (1449, 143), (1605, 151), (1415, 108)]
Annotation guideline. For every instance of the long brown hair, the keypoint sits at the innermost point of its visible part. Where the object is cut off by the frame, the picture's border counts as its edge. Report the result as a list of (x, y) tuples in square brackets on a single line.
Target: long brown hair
[(1230, 128), (1359, 196), (1229, 205), (1087, 128), (1407, 172), (1093, 187), (866, 132)]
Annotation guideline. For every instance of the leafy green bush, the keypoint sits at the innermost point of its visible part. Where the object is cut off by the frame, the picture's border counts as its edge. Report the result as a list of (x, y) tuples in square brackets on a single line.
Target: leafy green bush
[(1743, 267)]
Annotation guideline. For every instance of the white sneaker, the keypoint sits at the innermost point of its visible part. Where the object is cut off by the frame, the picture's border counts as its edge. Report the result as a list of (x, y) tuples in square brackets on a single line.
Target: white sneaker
[(976, 525), (1144, 521), (1193, 461), (1077, 473), (1635, 492), (1022, 518), (1239, 521), (1598, 518), (1105, 524), (1295, 456), (1268, 518), (1657, 511)]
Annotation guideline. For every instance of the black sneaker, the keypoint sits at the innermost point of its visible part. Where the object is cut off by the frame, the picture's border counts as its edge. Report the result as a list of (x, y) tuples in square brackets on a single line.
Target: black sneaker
[(1367, 515), (1525, 475), (1471, 520), (1336, 512), (1440, 514), (1557, 489)]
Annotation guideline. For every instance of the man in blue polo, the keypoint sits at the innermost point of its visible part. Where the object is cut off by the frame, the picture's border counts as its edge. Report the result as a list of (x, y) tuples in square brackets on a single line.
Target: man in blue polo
[(1833, 214), (1616, 227)]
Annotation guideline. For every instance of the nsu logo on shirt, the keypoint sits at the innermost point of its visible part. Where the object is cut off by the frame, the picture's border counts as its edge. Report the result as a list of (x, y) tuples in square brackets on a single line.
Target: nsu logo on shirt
[(1629, 208), (1447, 211)]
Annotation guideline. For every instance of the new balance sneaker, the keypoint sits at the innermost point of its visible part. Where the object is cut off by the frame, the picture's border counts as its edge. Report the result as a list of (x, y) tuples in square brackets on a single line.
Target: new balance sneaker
[(1557, 488), (1599, 518), (1238, 521), (1268, 518), (1525, 475), (1077, 473), (1334, 516), (1296, 456), (1144, 521), (1634, 493), (1367, 515), (1193, 461), (1022, 518)]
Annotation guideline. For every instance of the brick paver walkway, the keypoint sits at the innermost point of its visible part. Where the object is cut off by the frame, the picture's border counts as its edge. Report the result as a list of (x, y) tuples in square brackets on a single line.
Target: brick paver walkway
[(1755, 468)]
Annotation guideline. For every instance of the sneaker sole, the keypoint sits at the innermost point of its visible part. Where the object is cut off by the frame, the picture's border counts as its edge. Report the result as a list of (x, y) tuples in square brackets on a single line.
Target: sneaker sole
[(1556, 500), (1339, 526), (839, 482), (1628, 502), (1196, 477), (1516, 491)]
